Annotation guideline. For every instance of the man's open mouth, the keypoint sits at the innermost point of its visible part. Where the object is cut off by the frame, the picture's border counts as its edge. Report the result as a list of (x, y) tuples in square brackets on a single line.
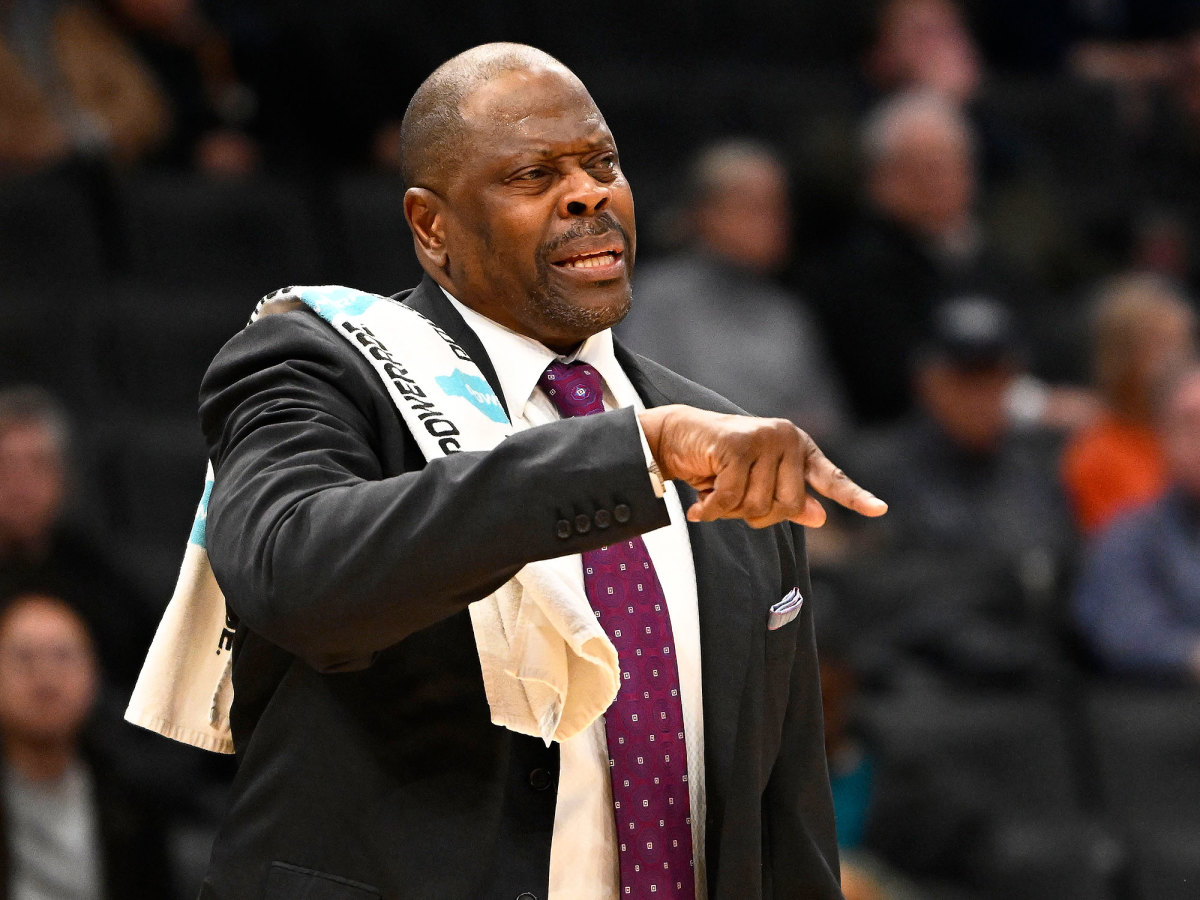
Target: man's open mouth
[(590, 260)]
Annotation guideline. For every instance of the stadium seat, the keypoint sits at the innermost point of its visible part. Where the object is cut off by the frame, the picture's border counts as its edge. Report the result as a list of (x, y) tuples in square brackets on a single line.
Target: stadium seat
[(249, 236), (153, 473), (158, 344), (1147, 746), (378, 244), (1167, 863), (48, 233), (45, 340), (1009, 760)]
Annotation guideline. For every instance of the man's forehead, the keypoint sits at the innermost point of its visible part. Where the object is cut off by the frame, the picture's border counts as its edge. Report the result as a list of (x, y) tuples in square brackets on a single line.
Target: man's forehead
[(526, 100)]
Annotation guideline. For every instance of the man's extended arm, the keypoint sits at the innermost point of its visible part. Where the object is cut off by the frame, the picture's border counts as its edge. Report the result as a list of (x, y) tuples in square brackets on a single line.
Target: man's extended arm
[(323, 551)]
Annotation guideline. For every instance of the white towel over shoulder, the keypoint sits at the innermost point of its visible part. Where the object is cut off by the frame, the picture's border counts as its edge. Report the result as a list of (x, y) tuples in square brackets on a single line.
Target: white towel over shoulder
[(549, 669)]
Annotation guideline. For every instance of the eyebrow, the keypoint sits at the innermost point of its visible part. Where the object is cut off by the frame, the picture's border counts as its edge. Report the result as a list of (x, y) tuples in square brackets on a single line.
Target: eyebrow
[(594, 145)]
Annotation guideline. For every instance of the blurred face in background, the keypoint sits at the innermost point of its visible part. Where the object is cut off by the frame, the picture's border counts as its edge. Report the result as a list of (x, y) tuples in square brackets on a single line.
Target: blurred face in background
[(746, 219), (970, 404), (1164, 339), (1181, 433), (32, 483), (924, 176), (1143, 330), (48, 676), (926, 44)]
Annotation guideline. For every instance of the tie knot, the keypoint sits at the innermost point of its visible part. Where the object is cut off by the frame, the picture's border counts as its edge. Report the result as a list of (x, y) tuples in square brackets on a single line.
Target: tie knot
[(575, 389)]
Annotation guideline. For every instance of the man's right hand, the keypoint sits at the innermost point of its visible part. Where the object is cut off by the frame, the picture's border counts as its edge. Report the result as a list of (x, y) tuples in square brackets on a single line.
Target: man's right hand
[(749, 468)]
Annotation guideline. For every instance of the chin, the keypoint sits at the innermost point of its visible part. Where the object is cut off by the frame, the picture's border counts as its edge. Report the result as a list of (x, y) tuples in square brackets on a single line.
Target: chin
[(569, 320)]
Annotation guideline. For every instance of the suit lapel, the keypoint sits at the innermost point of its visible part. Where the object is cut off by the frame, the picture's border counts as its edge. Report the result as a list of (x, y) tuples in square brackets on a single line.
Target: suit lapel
[(430, 300), (728, 613)]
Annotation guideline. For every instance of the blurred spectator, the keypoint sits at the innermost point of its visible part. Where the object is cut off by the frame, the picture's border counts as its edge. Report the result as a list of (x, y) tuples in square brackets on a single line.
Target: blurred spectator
[(194, 64), (40, 549), (924, 44), (714, 311), (1142, 328), (71, 87), (69, 830), (927, 46), (977, 529), (1138, 598), (920, 245)]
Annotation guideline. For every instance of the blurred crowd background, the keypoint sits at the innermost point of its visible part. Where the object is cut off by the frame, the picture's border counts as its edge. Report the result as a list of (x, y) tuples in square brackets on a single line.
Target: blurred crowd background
[(957, 241)]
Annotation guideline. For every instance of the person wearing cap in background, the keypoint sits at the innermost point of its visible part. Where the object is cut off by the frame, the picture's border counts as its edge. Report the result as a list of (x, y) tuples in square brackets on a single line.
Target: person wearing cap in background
[(979, 518)]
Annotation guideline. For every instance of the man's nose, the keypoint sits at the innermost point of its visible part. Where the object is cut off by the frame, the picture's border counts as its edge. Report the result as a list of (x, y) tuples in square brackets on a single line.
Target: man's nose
[(584, 196)]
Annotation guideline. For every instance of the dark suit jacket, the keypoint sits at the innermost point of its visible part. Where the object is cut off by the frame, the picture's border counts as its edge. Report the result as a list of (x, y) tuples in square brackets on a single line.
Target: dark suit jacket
[(368, 766)]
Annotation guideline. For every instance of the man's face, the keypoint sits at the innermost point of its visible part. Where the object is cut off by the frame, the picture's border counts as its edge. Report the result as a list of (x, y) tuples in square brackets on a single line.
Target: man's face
[(927, 183), (47, 671), (925, 43), (968, 404), (539, 223), (749, 220), (31, 482)]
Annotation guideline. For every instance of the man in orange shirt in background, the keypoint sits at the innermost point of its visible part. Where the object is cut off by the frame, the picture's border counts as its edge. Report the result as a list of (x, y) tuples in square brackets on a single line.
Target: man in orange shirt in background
[(1143, 328)]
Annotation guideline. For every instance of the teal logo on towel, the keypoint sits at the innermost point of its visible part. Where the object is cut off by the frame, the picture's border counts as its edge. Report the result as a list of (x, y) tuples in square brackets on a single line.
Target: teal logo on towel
[(198, 527), (475, 391), (334, 299)]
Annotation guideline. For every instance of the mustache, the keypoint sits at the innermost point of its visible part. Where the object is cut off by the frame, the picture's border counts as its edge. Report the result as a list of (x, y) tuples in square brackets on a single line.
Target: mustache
[(593, 227)]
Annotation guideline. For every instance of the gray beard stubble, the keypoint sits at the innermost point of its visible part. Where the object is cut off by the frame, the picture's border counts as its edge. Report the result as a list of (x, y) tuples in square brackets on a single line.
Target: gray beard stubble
[(548, 304)]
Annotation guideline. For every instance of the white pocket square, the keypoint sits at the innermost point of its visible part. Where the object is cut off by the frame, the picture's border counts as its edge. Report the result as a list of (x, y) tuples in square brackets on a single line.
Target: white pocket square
[(785, 610)]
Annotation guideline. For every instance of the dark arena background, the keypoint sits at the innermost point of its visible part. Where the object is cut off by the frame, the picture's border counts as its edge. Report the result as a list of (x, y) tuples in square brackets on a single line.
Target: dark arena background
[(957, 241)]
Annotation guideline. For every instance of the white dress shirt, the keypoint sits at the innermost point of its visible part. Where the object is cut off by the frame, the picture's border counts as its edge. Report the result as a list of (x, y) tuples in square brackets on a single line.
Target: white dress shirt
[(583, 851)]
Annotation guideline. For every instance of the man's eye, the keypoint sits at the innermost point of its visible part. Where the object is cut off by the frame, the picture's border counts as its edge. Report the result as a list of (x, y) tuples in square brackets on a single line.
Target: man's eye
[(532, 175), (604, 167)]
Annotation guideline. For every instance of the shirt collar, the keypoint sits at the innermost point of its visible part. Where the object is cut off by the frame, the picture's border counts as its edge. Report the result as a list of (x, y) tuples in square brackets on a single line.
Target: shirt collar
[(520, 361)]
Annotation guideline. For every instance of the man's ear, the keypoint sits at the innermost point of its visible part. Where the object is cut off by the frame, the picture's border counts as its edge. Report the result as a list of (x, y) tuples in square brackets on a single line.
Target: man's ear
[(426, 219)]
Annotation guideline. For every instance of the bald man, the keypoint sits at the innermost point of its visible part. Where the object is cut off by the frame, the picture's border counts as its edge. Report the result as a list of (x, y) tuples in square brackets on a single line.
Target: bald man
[(369, 766)]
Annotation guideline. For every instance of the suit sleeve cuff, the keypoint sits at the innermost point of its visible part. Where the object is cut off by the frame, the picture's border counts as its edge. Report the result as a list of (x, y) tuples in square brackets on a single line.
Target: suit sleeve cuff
[(656, 479)]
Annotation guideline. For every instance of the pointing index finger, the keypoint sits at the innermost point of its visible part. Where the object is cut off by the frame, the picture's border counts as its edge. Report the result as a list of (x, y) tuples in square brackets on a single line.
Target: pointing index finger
[(830, 481)]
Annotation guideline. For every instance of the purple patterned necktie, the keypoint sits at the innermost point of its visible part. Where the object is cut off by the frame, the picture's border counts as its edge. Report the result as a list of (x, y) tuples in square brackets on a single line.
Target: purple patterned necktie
[(647, 758)]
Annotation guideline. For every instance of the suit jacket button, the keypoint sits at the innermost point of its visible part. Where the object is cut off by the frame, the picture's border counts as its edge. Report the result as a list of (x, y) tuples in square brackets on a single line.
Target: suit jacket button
[(563, 529), (602, 518), (583, 523), (526, 896), (622, 513), (540, 779)]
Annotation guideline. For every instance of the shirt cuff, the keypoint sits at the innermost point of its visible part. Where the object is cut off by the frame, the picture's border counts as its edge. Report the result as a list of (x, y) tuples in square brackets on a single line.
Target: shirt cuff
[(656, 479)]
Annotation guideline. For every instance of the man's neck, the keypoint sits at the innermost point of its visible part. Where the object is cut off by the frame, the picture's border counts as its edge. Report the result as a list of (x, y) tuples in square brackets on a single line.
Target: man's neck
[(40, 761), (32, 550)]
